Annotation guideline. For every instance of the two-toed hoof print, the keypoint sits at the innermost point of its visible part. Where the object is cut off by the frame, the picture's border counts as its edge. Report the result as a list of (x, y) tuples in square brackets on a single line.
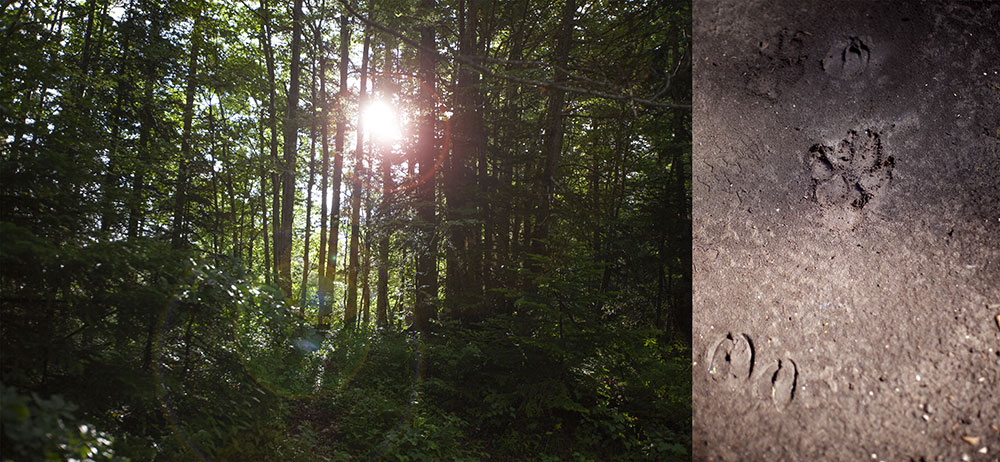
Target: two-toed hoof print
[(732, 360), (779, 381)]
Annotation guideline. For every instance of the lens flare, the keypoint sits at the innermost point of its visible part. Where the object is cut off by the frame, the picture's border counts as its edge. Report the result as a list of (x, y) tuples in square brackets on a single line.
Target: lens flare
[(382, 121)]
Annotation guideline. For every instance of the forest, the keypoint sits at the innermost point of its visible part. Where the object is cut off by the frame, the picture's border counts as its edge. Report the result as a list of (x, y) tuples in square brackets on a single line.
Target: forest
[(402, 230)]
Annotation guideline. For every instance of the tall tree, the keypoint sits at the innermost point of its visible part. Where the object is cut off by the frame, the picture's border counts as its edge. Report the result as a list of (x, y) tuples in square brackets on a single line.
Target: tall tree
[(463, 279), (385, 231), (425, 301), (283, 242), (351, 311), (323, 285), (304, 289), (553, 129), (338, 167), (265, 230), (272, 118), (178, 233)]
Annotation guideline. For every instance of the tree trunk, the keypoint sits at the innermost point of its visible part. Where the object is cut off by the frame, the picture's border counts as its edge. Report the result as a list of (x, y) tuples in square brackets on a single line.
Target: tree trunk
[(351, 311), (553, 131), (146, 121), (312, 176), (216, 212), (330, 273), (507, 224), (272, 118), (322, 285), (385, 232), (463, 283), (263, 204), (425, 304), (366, 258), (284, 246), (178, 232)]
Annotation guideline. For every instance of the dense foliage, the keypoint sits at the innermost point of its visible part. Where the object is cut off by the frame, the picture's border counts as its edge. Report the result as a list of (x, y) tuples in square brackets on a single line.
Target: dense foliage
[(205, 254)]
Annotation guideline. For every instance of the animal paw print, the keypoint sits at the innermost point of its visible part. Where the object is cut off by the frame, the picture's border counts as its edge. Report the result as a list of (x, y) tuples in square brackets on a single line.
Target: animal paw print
[(852, 173), (779, 63)]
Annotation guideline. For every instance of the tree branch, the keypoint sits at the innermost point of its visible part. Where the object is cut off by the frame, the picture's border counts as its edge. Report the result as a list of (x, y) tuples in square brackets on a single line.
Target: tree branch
[(486, 72)]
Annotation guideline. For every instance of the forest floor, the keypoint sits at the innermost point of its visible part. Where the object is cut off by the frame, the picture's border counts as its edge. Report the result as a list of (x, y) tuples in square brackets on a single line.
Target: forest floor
[(846, 231)]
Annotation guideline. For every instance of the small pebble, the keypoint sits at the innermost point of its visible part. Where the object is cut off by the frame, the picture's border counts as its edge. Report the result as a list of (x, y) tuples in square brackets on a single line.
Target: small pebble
[(973, 440), (984, 450), (927, 418)]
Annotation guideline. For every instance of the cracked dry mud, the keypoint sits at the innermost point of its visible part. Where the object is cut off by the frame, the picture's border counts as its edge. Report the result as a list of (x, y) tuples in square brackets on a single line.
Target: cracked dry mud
[(846, 213)]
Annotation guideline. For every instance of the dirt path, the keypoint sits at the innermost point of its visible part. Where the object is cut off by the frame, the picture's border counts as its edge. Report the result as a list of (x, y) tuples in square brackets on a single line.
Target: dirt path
[(846, 230)]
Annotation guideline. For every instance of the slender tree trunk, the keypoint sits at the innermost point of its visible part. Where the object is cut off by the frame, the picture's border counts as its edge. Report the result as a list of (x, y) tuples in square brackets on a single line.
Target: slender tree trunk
[(462, 286), (507, 224), (351, 311), (290, 153), (272, 119), (425, 303), (85, 57), (237, 224), (216, 213), (146, 120), (179, 230), (312, 177), (385, 232), (338, 167), (265, 231), (322, 285), (366, 256), (682, 301), (553, 130)]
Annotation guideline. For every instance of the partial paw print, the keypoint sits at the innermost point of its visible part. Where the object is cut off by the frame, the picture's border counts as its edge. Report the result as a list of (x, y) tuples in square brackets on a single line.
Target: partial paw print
[(851, 174), (848, 59), (780, 62), (732, 360)]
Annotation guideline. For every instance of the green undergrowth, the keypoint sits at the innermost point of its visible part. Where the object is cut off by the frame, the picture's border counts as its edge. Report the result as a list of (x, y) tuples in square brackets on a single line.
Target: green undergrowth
[(485, 394), (232, 373)]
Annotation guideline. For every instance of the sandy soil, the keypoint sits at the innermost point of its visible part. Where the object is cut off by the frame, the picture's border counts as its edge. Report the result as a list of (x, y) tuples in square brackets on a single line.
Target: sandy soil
[(846, 230)]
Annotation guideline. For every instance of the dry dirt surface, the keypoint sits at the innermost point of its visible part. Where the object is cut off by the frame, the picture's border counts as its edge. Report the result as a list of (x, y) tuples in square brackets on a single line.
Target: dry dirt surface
[(846, 230)]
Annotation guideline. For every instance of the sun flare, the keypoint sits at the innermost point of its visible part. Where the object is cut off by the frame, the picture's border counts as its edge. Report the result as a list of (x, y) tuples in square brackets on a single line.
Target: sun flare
[(382, 121)]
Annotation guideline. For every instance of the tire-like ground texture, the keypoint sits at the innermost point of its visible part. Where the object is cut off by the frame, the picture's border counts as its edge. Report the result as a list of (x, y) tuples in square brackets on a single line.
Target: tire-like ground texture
[(846, 230)]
